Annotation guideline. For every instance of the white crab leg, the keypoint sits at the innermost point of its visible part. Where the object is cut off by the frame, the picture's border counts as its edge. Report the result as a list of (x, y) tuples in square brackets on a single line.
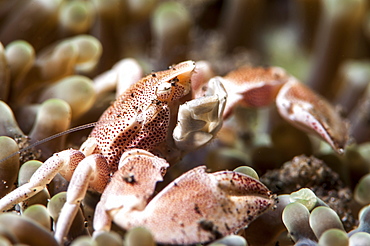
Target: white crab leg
[(188, 211), (64, 162), (93, 172)]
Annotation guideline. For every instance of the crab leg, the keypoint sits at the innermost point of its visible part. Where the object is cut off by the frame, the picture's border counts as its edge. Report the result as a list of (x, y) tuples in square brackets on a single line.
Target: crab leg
[(252, 86), (93, 172), (64, 162), (296, 103), (188, 211)]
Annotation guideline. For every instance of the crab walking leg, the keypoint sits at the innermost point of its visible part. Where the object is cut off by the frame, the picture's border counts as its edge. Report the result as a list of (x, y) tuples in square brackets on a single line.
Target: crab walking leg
[(64, 162), (93, 172), (102, 221), (134, 184)]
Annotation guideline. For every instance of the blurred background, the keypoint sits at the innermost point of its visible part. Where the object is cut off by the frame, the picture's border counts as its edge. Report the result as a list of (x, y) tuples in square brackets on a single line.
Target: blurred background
[(57, 48)]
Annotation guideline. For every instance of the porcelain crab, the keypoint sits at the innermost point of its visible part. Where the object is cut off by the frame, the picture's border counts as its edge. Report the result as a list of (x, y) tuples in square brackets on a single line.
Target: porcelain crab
[(149, 126)]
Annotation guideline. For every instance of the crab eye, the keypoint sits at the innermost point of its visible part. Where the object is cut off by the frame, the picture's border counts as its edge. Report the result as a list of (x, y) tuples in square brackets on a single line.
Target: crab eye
[(164, 91), (164, 87)]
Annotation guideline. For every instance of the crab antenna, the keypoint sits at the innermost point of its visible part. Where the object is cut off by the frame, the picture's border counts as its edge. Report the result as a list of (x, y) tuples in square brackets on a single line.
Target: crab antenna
[(74, 129)]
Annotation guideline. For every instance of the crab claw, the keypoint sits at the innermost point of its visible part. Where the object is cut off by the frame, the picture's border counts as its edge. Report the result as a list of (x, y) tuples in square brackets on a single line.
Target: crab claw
[(199, 207), (253, 86), (310, 112), (200, 119), (296, 103), (134, 182)]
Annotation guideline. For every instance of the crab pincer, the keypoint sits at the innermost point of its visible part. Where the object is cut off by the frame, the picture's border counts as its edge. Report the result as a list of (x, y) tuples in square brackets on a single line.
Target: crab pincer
[(196, 207)]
